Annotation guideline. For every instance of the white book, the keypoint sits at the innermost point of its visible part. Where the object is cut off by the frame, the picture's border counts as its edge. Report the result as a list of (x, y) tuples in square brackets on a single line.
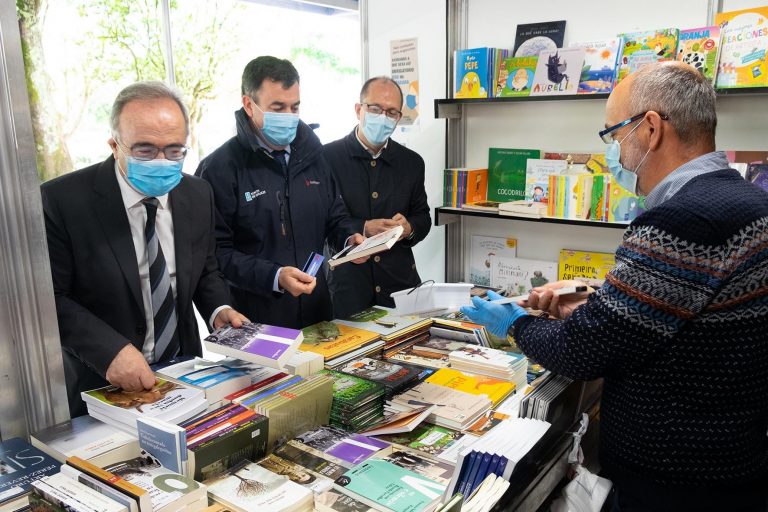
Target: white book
[(215, 379), (480, 251), (252, 488), (101, 487), (518, 275), (372, 245), (74, 496)]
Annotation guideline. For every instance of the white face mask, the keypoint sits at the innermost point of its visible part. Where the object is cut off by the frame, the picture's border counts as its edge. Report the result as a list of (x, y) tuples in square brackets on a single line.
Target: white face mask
[(624, 177)]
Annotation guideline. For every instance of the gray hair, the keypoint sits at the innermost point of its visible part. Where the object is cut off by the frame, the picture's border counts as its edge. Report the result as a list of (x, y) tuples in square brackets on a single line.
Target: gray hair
[(153, 90), (682, 93), (383, 79)]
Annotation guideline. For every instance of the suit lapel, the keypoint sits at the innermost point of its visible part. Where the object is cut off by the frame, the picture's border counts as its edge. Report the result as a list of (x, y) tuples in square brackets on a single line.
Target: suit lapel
[(183, 220), (110, 212)]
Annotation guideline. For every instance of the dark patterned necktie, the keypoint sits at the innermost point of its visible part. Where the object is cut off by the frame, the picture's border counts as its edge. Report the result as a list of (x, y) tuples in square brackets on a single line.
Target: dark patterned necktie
[(163, 303)]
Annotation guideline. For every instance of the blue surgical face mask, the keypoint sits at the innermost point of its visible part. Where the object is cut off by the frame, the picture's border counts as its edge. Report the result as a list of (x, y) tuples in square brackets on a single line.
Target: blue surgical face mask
[(377, 129), (153, 178), (624, 177), (279, 128)]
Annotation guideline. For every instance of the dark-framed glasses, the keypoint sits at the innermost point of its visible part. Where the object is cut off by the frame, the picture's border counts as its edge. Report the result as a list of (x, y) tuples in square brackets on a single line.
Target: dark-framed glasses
[(376, 110), (174, 152), (607, 134)]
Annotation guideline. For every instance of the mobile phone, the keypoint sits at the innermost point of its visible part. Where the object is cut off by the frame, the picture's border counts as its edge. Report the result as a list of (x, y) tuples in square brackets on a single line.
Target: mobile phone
[(568, 290), (312, 266)]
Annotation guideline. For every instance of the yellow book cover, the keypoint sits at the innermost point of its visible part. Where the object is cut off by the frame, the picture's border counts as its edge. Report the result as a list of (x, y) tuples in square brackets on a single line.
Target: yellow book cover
[(495, 389), (330, 339), (743, 48), (592, 266)]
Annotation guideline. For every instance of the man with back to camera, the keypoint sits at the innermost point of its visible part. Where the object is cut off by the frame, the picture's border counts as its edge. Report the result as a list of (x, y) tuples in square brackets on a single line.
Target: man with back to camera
[(132, 246), (382, 183), (277, 202), (678, 329)]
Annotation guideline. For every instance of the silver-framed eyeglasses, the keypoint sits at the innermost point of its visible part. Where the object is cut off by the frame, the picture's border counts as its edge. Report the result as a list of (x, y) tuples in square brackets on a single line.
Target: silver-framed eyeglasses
[(376, 110), (141, 151), (607, 134)]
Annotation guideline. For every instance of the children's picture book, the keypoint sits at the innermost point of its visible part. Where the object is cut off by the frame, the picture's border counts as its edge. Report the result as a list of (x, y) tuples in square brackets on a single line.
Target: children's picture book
[(591, 266), (262, 344), (515, 76), (646, 47), (518, 276), (471, 73), (558, 72), (533, 38), (537, 173), (481, 249), (700, 48), (506, 173), (599, 70), (623, 205), (744, 47)]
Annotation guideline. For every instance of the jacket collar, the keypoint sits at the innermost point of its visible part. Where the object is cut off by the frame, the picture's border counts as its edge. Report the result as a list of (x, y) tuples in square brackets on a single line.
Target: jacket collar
[(356, 150)]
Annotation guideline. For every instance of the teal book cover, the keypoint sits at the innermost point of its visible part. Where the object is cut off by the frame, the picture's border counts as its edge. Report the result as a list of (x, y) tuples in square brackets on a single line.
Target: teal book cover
[(506, 173), (380, 483)]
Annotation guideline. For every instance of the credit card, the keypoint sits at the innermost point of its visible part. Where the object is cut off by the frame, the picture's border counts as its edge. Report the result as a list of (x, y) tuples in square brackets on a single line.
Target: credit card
[(313, 264)]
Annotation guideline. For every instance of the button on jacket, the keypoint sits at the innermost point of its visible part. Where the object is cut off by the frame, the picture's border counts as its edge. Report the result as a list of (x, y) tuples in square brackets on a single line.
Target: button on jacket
[(374, 189), (267, 219)]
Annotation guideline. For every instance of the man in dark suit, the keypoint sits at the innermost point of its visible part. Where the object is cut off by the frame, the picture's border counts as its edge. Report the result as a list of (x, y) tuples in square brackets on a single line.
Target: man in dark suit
[(132, 246)]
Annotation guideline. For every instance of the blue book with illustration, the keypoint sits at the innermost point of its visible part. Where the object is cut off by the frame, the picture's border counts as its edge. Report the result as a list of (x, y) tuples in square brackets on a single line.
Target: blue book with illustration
[(471, 70)]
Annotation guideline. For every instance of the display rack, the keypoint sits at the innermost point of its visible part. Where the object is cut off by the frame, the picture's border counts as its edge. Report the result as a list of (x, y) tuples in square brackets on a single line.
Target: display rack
[(447, 215)]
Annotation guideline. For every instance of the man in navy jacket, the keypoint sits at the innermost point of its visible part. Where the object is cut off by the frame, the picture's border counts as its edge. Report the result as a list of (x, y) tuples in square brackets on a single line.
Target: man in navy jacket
[(276, 202)]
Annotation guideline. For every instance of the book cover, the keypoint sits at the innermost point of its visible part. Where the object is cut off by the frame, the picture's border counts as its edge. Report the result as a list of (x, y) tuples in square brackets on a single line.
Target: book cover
[(375, 244), (294, 452), (412, 460), (87, 438), (21, 464), (599, 70), (744, 46), (486, 422), (481, 248), (518, 275), (67, 494), (381, 483), (251, 487), (506, 173), (558, 72), (263, 344), (537, 173), (471, 73), (349, 390), (331, 339), (384, 322), (335, 501), (392, 376), (217, 380), (164, 441), (623, 205), (430, 439), (646, 47), (355, 448), (700, 48), (454, 408), (401, 421), (515, 76), (533, 38), (114, 481), (414, 355), (296, 473), (495, 389)]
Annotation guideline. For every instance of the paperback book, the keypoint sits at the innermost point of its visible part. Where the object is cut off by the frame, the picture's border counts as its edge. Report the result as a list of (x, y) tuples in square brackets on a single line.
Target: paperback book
[(21, 464), (506, 173), (480, 251), (518, 276), (700, 48), (646, 47), (296, 473), (515, 76), (598, 73), (262, 344), (332, 339), (558, 72), (531, 39), (744, 47), (454, 409), (591, 266)]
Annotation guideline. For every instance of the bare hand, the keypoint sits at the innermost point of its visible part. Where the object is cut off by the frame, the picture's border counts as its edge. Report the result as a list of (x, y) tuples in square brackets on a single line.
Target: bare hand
[(357, 239), (402, 221), (130, 371), (229, 316), (543, 298), (296, 282), (375, 226)]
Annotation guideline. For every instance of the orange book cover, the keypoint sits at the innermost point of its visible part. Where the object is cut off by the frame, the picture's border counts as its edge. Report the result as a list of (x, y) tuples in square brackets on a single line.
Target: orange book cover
[(331, 339)]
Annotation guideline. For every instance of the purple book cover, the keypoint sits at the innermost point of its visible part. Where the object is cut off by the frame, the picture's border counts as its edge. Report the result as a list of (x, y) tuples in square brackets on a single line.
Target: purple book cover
[(264, 340), (356, 448)]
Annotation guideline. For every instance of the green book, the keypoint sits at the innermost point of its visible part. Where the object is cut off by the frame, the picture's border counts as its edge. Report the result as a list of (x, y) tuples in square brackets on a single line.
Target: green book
[(506, 173), (350, 391), (379, 483)]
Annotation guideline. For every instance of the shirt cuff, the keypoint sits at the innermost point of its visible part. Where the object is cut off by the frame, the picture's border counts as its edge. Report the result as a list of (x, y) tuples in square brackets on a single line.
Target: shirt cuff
[(275, 283), (216, 313)]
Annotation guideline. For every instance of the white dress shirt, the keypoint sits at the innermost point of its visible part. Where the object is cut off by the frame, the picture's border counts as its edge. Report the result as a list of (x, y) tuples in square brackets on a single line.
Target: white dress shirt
[(137, 218)]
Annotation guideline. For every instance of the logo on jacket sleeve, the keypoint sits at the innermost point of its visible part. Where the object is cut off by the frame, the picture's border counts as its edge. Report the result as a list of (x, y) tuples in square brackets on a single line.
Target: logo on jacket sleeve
[(250, 196)]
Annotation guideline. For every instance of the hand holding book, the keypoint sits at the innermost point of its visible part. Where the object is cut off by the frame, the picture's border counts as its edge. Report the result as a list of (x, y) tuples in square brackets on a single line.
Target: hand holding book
[(558, 305)]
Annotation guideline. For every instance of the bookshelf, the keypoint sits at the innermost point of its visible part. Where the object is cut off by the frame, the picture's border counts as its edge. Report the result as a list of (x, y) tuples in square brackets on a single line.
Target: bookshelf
[(447, 215)]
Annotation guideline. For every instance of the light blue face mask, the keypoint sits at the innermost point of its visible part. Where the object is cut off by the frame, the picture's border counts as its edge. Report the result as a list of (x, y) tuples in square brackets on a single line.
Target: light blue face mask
[(624, 177), (279, 128), (377, 129), (153, 178)]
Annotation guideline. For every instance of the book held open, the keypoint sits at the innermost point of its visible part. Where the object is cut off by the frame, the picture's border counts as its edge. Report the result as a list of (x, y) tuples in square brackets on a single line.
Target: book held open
[(378, 243)]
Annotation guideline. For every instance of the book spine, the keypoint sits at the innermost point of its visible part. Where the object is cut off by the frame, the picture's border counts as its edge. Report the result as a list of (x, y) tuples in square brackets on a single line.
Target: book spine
[(231, 423), (114, 481), (192, 424), (249, 441), (235, 412)]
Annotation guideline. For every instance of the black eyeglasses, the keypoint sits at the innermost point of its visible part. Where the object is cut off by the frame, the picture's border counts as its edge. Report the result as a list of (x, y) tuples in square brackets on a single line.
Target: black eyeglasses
[(174, 152), (376, 110), (606, 136)]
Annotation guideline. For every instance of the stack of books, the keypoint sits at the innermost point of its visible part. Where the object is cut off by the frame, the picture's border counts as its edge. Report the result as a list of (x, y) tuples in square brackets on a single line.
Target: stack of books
[(494, 389), (339, 343), (454, 409), (317, 484), (357, 402), (222, 438), (262, 344), (396, 331), (394, 377), (500, 364), (430, 353), (167, 401), (347, 448), (216, 380), (59, 492)]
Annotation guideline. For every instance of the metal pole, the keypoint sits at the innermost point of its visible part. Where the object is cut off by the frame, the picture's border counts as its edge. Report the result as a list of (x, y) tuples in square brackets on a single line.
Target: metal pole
[(364, 45), (170, 72)]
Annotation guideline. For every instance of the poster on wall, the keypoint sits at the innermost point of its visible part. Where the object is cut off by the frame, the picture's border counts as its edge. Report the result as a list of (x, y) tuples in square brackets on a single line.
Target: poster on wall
[(405, 71)]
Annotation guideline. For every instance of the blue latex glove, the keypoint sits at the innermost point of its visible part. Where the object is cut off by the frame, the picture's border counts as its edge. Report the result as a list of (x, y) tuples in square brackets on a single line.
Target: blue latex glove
[(497, 318)]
